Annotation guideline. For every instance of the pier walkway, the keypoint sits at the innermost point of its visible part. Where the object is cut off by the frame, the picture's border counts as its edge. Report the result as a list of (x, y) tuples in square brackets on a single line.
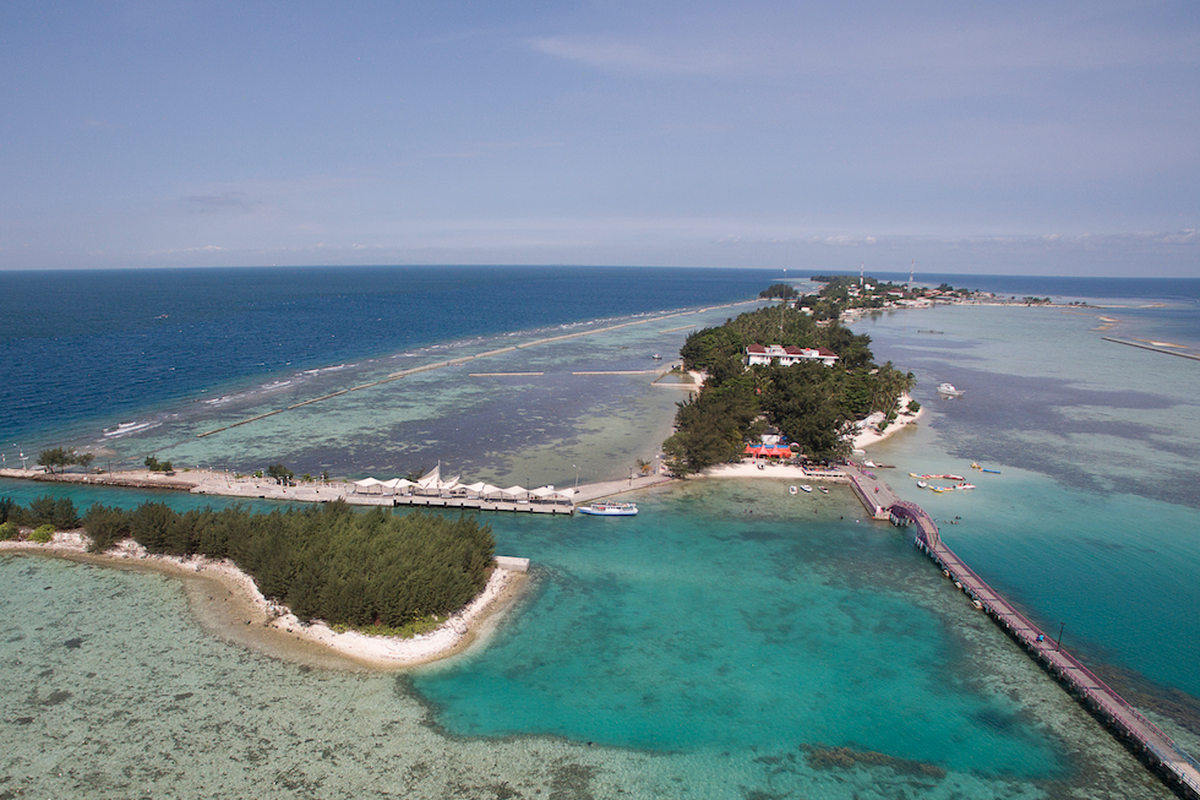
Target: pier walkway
[(875, 495), (1145, 739)]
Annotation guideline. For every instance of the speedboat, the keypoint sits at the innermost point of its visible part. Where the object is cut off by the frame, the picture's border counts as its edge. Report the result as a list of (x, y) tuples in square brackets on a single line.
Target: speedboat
[(823, 489), (609, 509), (948, 390), (922, 485), (806, 488), (965, 486)]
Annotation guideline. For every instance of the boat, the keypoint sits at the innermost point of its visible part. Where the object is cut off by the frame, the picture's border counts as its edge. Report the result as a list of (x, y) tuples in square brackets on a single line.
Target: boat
[(948, 390), (965, 486), (922, 485), (807, 488), (975, 465), (656, 357), (940, 489), (914, 475), (993, 471), (823, 489), (609, 509), (792, 490)]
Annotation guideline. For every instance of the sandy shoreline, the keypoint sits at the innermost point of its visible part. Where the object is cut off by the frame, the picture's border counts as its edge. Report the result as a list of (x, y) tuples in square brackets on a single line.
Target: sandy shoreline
[(227, 603)]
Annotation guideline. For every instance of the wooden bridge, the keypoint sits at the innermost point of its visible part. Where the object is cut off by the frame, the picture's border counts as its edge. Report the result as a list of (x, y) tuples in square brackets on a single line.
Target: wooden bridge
[(1139, 734)]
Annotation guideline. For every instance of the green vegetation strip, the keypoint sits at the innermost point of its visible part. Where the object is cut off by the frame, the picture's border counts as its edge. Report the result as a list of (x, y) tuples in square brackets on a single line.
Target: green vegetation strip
[(369, 570), (813, 405)]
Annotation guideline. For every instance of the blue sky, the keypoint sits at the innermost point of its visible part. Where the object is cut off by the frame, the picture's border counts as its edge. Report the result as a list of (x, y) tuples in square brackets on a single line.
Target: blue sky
[(1025, 138)]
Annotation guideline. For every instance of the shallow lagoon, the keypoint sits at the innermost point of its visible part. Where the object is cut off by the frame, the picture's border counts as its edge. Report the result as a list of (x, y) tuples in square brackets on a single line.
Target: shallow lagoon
[(702, 647), (695, 653)]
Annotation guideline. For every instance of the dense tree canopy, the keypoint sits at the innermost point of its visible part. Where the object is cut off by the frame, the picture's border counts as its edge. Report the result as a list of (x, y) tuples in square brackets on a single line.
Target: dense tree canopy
[(810, 403), (361, 569)]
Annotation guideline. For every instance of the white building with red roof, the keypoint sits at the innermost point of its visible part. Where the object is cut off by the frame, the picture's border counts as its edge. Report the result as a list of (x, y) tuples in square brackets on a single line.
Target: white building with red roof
[(786, 356)]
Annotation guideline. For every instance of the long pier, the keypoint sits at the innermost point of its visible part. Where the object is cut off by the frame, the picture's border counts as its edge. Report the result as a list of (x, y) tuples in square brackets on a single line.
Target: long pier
[(1148, 346), (1145, 739)]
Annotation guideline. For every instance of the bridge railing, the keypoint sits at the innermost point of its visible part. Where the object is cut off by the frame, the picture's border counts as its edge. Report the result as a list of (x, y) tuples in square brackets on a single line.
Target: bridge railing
[(1104, 695)]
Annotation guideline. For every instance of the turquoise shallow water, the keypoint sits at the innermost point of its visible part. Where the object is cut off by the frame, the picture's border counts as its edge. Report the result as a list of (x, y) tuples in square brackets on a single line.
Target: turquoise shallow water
[(698, 649), (701, 652), (1094, 521), (677, 630)]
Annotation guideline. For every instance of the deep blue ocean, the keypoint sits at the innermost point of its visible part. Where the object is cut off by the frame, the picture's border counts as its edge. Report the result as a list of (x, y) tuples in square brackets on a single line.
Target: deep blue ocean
[(89, 343), (717, 645)]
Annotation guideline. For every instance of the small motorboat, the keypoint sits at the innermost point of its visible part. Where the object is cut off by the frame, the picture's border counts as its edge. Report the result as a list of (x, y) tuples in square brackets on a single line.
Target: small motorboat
[(792, 490), (948, 390), (609, 509), (922, 485), (823, 489), (807, 488), (965, 486)]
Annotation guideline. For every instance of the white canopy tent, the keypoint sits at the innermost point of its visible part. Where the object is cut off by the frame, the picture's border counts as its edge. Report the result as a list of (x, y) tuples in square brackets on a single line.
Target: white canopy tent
[(399, 485), (368, 486)]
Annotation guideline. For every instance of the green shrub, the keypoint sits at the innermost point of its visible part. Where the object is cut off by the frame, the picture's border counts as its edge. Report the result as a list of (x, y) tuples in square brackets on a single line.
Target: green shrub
[(9, 530), (105, 527), (42, 534), (58, 512)]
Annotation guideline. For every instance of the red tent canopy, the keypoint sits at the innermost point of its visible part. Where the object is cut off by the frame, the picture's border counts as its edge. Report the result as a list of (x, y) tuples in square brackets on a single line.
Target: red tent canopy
[(768, 450)]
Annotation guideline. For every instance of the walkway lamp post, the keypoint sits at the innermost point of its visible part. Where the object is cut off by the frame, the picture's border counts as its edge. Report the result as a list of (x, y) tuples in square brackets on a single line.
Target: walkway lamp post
[(1058, 644)]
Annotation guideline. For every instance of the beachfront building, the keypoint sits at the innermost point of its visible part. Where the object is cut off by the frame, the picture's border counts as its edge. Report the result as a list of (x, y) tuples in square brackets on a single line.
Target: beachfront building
[(786, 356)]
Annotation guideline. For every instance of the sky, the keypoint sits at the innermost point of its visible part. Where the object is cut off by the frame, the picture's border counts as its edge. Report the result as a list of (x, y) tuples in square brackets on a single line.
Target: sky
[(1002, 138)]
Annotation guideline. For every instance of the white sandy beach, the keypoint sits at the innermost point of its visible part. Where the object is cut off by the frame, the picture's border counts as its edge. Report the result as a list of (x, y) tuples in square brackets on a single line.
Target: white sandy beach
[(459, 631)]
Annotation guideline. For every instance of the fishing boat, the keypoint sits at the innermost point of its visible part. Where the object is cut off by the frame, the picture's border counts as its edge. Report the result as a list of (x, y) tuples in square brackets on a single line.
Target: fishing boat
[(609, 509)]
